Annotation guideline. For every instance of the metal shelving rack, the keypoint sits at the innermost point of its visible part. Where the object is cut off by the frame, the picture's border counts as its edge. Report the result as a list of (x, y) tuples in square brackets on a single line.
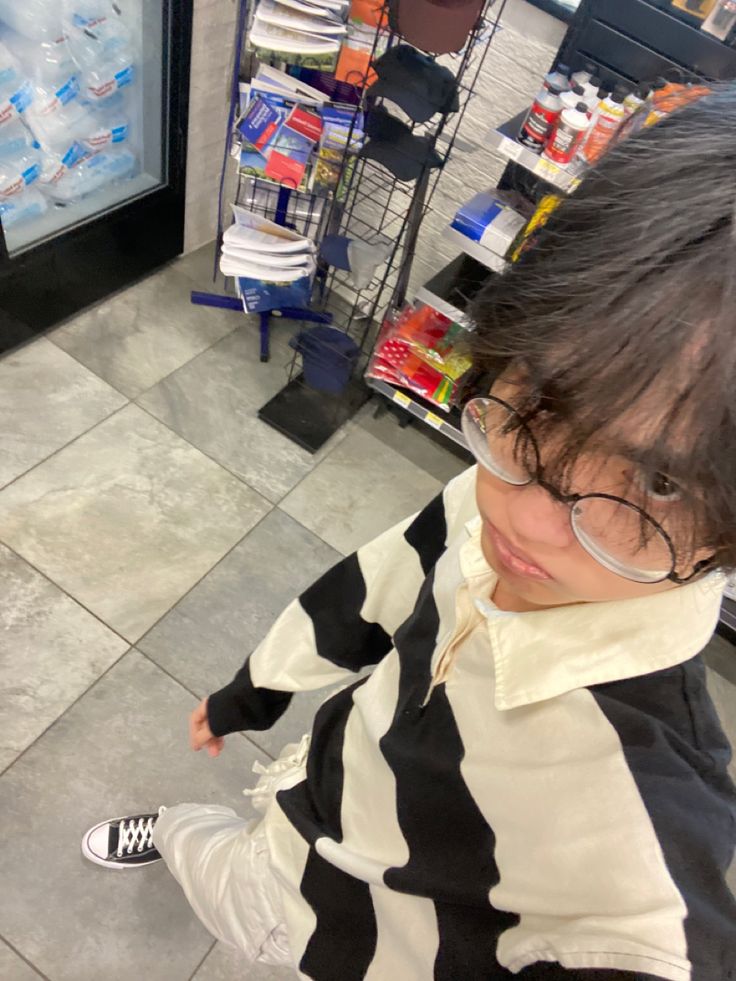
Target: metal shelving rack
[(373, 204), (563, 179), (376, 204), (504, 141), (448, 425)]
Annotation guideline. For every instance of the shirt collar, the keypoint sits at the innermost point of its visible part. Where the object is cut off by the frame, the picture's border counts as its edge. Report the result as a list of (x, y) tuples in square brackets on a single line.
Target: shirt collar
[(547, 653)]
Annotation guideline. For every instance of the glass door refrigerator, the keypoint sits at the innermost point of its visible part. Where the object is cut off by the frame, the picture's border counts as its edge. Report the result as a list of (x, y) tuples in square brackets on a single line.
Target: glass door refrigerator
[(93, 123)]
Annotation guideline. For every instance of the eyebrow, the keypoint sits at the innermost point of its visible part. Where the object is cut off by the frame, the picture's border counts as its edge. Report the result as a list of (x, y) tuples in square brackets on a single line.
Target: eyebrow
[(651, 459)]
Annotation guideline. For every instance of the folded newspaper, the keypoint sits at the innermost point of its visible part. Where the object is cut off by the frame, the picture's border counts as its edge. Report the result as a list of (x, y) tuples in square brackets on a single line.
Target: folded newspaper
[(272, 265)]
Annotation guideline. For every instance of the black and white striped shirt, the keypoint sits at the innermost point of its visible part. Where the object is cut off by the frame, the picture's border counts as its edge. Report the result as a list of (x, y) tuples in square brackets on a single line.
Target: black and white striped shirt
[(541, 795)]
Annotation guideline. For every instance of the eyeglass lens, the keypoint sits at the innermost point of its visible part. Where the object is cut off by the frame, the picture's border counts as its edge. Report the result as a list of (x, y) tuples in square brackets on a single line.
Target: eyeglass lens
[(615, 533)]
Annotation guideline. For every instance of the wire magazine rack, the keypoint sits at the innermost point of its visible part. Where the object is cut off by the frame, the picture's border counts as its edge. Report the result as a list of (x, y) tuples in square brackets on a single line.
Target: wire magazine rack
[(370, 204)]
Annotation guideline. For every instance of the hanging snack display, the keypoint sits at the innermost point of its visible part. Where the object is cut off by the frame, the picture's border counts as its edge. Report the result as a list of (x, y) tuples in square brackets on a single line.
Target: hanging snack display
[(425, 352)]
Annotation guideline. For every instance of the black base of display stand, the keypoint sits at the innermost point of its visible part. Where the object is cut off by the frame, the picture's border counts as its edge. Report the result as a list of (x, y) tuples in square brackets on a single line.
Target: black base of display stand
[(309, 417)]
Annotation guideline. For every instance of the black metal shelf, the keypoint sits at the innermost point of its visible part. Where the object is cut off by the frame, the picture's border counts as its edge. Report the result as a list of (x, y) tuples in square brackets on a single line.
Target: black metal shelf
[(447, 423), (504, 141)]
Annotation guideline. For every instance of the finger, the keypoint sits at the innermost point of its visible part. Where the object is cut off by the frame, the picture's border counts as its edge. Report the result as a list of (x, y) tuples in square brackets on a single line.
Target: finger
[(197, 738), (215, 746)]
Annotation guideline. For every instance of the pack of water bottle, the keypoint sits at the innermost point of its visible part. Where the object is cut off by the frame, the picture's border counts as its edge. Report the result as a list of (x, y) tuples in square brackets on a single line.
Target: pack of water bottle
[(66, 69)]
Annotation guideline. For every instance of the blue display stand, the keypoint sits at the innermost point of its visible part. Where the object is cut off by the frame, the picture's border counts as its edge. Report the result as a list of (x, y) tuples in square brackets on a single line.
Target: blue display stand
[(226, 302)]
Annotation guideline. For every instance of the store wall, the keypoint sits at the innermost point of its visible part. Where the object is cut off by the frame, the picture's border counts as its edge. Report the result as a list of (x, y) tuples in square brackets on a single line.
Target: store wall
[(209, 98), (521, 53)]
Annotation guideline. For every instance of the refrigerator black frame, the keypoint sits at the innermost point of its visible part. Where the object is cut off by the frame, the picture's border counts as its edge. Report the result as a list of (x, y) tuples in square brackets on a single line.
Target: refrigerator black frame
[(51, 281), (637, 40)]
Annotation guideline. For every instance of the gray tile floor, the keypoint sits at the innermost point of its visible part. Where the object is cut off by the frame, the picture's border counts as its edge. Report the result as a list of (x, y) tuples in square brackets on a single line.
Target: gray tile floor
[(151, 528)]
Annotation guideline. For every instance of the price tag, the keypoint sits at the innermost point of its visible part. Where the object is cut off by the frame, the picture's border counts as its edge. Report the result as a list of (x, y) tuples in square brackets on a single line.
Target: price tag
[(434, 421), (545, 168), (402, 399), (512, 149)]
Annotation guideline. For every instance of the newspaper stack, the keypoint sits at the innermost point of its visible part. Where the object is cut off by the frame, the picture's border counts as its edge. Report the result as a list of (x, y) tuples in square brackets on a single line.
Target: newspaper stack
[(311, 30), (256, 248)]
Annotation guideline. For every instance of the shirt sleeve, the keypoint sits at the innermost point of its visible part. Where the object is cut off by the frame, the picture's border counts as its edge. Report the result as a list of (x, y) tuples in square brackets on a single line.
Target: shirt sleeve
[(341, 624), (555, 972)]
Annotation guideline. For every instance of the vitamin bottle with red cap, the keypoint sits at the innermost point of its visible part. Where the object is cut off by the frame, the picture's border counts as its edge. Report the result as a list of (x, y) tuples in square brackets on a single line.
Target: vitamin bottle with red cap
[(541, 118), (568, 134)]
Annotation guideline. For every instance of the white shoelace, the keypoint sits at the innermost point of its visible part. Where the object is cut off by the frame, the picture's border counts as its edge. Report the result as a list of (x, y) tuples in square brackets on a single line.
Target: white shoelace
[(132, 834)]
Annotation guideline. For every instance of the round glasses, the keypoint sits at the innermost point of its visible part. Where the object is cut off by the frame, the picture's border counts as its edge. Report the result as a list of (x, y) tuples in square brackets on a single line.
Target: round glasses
[(617, 533)]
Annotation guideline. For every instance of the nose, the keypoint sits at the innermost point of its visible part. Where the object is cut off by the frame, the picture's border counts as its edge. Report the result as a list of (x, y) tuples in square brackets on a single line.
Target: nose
[(537, 518)]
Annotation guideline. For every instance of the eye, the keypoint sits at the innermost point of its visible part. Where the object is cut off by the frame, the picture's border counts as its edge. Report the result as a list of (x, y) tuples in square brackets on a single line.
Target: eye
[(660, 487)]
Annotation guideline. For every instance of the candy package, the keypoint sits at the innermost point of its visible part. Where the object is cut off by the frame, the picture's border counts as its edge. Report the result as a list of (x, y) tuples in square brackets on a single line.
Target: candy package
[(435, 339), (424, 351)]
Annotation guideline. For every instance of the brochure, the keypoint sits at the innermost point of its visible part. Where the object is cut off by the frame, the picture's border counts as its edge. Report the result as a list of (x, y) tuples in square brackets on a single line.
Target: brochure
[(259, 296), (288, 157), (260, 123), (308, 124)]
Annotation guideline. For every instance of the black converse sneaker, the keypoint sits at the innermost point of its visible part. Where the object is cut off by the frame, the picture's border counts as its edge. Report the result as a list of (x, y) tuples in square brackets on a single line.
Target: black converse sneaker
[(125, 843)]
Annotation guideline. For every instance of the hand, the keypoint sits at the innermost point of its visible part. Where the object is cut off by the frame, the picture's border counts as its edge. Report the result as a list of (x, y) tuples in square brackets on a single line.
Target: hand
[(200, 734)]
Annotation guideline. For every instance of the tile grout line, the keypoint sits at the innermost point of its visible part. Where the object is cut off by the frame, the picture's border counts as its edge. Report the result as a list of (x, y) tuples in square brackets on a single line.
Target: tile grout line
[(24, 959), (71, 442), (242, 480), (212, 569), (199, 698), (205, 454), (131, 398), (201, 578), (209, 951), (86, 367), (61, 589), (191, 360), (62, 714)]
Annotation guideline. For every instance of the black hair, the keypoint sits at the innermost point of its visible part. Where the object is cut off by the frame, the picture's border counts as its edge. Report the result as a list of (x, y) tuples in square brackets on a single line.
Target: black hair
[(625, 308)]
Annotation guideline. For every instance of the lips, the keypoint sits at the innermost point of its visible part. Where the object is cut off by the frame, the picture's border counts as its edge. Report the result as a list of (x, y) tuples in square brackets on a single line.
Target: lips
[(512, 559)]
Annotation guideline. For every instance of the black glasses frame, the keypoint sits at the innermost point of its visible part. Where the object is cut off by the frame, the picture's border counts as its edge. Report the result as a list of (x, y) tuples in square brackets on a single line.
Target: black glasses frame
[(536, 476)]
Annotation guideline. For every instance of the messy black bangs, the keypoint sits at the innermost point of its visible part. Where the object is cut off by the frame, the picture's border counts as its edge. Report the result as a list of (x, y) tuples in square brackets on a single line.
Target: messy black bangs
[(623, 321)]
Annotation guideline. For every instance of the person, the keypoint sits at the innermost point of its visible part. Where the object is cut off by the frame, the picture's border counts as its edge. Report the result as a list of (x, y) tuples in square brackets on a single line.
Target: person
[(523, 774)]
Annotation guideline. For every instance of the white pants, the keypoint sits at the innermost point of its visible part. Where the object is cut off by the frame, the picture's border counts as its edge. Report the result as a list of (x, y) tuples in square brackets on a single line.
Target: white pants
[(223, 865)]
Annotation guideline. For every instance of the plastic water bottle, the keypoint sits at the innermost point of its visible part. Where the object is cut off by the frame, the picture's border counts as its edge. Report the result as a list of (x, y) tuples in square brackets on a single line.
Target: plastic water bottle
[(20, 208), (109, 124), (18, 172), (15, 139), (91, 174), (16, 94), (39, 20), (48, 66), (57, 126), (71, 133), (100, 44)]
